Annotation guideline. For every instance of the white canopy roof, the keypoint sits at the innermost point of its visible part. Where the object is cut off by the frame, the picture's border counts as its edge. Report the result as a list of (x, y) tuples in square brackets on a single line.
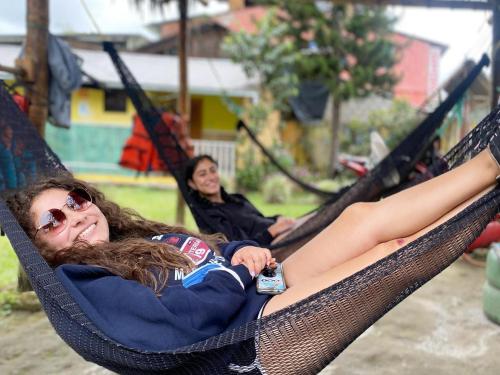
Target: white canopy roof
[(157, 72)]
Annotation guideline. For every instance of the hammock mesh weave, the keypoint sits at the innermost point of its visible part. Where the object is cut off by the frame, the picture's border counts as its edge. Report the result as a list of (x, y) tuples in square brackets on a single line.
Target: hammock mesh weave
[(389, 173), (301, 339)]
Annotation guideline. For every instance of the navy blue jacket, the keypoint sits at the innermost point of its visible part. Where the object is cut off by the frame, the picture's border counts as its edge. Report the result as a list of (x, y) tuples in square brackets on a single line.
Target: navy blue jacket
[(209, 300)]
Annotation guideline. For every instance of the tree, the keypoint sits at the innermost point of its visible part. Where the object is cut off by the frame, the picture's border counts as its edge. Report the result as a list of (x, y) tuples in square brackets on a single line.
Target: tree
[(348, 47), (270, 59), (266, 56)]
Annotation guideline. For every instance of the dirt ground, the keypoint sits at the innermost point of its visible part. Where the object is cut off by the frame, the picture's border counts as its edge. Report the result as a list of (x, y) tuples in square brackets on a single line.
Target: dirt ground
[(439, 330)]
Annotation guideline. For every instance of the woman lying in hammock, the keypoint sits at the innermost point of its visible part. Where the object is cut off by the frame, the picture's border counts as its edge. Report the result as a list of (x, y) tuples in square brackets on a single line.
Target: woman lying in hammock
[(230, 214), (154, 287)]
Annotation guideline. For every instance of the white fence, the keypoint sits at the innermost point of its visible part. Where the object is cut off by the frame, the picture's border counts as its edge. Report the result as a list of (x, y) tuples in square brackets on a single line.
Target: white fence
[(222, 151)]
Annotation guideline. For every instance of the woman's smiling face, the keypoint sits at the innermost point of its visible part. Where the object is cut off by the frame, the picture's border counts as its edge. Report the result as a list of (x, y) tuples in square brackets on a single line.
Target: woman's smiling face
[(89, 225), (206, 178)]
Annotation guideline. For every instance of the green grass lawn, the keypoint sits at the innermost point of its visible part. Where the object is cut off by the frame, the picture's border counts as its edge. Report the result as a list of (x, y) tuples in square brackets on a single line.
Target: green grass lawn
[(8, 264), (155, 204)]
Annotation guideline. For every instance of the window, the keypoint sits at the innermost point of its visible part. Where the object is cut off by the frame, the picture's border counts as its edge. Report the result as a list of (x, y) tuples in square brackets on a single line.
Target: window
[(115, 101)]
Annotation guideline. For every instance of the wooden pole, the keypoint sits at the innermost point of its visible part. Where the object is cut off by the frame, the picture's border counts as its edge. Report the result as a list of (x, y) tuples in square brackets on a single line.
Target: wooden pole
[(35, 61), (183, 102), (495, 56), (35, 72), (335, 135)]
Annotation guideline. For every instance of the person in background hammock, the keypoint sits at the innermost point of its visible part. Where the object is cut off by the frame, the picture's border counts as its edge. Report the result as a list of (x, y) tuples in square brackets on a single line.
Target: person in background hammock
[(230, 214), (153, 287)]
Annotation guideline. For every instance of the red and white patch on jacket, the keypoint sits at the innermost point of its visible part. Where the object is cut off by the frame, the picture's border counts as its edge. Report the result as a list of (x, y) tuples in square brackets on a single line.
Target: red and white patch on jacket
[(173, 240), (195, 249)]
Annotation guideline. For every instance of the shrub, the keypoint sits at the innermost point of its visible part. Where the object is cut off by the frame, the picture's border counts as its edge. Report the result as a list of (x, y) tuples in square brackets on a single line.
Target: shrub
[(276, 189), (282, 156), (249, 178), (393, 124)]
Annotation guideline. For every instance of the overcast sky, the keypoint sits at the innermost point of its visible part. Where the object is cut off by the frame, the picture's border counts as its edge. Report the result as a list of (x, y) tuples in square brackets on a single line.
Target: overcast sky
[(466, 32)]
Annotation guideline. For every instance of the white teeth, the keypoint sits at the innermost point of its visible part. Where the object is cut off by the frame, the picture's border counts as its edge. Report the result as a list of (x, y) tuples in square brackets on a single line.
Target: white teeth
[(86, 232)]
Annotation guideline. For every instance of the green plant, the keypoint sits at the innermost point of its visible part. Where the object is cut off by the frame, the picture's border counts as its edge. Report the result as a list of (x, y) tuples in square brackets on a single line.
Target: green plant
[(249, 177), (282, 156), (334, 185), (267, 56), (350, 48), (393, 124), (276, 189), (8, 264), (8, 298)]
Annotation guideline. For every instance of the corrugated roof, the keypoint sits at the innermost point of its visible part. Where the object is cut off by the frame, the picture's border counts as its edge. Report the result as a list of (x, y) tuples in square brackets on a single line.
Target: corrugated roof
[(158, 72)]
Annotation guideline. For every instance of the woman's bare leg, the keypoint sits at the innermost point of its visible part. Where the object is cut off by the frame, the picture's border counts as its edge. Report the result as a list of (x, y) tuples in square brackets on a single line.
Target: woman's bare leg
[(363, 226), (323, 280)]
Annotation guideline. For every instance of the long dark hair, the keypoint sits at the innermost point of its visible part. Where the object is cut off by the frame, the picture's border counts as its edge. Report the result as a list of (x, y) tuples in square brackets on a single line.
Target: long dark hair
[(128, 254)]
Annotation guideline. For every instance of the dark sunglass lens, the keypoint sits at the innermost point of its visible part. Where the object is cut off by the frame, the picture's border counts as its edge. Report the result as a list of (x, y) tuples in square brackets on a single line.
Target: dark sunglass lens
[(52, 219), (78, 199)]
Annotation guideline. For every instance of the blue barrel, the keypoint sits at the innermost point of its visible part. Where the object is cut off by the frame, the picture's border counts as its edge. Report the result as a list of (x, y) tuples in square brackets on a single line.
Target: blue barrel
[(491, 289)]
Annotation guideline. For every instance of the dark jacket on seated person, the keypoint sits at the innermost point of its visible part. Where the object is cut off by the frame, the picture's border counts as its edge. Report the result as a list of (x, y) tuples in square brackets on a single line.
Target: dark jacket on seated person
[(236, 218)]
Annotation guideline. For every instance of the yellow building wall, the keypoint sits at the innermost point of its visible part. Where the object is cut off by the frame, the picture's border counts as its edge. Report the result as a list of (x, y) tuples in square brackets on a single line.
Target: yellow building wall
[(87, 108), (218, 121), (292, 135)]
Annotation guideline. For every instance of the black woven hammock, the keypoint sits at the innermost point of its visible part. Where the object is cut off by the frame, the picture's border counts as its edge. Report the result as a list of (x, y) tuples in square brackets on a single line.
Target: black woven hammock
[(390, 172), (301, 339)]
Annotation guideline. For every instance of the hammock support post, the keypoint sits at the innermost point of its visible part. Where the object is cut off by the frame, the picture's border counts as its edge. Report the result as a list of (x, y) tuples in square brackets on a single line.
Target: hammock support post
[(183, 103), (35, 61)]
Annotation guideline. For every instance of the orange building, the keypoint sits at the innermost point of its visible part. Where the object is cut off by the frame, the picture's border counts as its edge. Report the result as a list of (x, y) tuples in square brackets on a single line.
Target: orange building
[(418, 68)]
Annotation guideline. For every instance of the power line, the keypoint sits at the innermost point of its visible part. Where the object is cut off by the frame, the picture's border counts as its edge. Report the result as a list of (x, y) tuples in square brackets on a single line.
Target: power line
[(92, 19)]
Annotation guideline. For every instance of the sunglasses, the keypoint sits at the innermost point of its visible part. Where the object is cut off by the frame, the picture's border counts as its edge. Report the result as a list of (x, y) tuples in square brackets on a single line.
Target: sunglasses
[(54, 220)]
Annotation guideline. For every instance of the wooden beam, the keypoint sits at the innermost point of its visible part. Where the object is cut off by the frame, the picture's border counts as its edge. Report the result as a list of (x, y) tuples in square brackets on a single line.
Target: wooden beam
[(456, 4), (11, 70)]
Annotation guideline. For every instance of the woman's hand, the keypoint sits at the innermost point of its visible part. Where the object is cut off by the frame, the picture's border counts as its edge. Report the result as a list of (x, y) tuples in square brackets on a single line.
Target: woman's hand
[(281, 225), (254, 258)]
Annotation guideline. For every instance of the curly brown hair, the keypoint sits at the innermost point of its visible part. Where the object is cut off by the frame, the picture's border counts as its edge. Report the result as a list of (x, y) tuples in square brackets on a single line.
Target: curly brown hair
[(128, 254)]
